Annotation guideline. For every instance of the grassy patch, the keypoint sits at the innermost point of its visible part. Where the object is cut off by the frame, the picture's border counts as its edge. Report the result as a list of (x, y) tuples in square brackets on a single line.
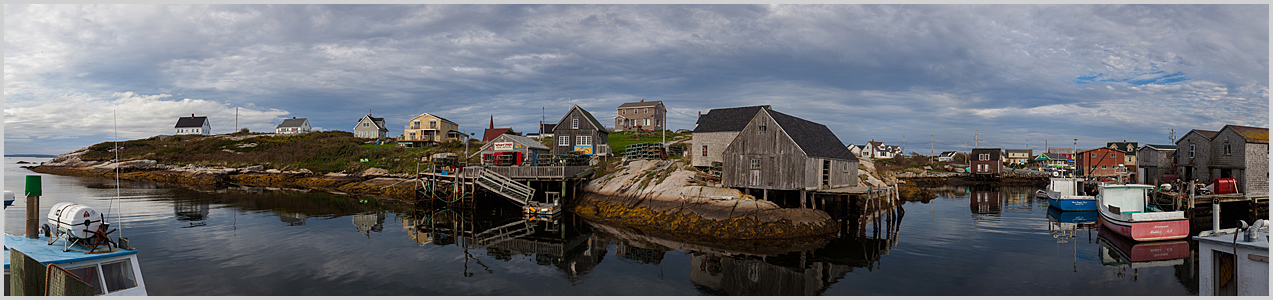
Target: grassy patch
[(327, 151), (620, 140)]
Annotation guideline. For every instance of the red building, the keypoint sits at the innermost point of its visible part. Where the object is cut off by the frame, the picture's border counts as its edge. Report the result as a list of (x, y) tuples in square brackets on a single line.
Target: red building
[(986, 161), (1100, 162)]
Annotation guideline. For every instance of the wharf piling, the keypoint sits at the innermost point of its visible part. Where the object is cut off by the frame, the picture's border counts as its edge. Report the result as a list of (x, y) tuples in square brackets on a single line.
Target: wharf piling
[(537, 189)]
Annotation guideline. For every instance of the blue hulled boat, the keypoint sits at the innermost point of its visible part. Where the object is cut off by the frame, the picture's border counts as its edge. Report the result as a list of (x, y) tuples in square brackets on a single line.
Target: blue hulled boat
[(1067, 194)]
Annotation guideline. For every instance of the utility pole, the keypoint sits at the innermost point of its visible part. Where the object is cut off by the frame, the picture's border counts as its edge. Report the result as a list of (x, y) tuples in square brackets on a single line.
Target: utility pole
[(975, 141), (903, 144), (236, 119), (932, 145)]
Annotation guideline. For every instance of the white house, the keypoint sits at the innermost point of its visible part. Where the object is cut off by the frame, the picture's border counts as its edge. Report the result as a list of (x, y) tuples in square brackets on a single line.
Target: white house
[(371, 128), (293, 126), (875, 149), (947, 156), (193, 125)]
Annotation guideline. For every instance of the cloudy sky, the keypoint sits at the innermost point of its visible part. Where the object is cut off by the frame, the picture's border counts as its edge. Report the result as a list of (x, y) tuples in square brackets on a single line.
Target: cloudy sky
[(1007, 74)]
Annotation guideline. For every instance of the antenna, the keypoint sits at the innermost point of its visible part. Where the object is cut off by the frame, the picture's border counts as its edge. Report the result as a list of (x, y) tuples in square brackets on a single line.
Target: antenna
[(121, 204), (1173, 135)]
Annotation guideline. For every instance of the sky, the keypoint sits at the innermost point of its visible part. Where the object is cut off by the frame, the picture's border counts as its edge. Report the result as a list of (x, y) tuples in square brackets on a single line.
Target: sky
[(928, 77)]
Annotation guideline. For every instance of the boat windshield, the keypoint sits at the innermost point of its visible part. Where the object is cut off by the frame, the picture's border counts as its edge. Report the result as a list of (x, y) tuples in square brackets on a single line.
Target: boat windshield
[(119, 275), (89, 275)]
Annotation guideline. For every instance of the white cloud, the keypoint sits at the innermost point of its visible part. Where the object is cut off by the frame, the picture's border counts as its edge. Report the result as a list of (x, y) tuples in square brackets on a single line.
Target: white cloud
[(137, 116)]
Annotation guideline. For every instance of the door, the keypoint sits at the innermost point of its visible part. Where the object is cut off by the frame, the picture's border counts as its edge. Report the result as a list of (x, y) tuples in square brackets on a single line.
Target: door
[(826, 173), (755, 178)]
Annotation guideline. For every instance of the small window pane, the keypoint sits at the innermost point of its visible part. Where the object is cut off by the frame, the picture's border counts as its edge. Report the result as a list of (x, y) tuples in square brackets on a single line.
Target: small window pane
[(119, 275), (89, 275), (563, 140)]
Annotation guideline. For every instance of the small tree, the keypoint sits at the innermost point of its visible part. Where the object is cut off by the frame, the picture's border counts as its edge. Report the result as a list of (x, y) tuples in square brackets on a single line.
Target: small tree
[(244, 130)]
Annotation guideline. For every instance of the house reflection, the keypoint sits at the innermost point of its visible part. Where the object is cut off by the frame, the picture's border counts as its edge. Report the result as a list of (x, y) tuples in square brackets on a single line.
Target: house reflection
[(803, 268), (985, 201), (194, 213), (293, 219), (369, 222)]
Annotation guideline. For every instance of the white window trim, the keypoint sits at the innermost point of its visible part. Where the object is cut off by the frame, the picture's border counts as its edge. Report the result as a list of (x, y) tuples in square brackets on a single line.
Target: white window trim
[(563, 140), (583, 140), (574, 123)]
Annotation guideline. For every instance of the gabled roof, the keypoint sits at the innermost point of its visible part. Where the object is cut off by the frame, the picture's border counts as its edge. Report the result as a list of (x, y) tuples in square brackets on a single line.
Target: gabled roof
[(379, 122), (1159, 147), (492, 133), (1252, 134), (547, 128), (815, 139), (727, 119), (640, 104), (1122, 146), (439, 118), (1203, 132), (191, 122), (995, 153), (948, 153), (288, 123), (530, 143), (601, 128), (1019, 151)]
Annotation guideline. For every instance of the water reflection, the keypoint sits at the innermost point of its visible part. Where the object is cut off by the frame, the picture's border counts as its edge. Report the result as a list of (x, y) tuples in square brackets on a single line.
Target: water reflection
[(194, 213), (560, 242), (985, 201), (1130, 256), (369, 222)]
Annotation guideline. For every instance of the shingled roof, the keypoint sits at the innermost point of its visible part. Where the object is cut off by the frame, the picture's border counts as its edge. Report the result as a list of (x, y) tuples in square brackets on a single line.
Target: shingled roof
[(815, 139), (601, 128), (1252, 134), (293, 122), (190, 121), (379, 122), (727, 119), (640, 104)]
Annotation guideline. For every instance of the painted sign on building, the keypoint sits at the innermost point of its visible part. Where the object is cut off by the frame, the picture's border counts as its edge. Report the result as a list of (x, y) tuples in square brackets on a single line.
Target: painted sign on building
[(503, 146), (585, 150)]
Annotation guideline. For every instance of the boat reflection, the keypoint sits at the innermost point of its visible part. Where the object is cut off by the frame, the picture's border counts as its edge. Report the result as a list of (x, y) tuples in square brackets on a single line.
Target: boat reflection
[(1118, 251)]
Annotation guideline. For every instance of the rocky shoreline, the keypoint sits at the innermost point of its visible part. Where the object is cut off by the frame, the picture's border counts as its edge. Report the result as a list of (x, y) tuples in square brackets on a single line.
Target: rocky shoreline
[(659, 196), (371, 183)]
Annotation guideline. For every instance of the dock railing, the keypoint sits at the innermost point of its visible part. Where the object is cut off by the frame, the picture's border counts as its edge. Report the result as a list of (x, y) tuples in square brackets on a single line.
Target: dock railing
[(536, 172)]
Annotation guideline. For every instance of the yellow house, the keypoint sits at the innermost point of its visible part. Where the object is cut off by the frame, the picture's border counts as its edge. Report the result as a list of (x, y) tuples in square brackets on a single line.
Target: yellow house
[(428, 129)]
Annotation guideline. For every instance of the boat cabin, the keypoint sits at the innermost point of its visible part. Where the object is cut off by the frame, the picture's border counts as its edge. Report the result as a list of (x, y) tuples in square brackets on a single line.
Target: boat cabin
[(113, 273)]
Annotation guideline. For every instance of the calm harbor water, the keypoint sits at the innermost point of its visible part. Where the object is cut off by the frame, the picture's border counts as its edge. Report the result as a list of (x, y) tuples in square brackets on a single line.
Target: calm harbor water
[(256, 241)]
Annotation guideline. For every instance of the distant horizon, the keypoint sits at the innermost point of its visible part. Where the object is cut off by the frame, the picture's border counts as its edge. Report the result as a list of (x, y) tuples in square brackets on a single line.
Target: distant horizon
[(996, 75)]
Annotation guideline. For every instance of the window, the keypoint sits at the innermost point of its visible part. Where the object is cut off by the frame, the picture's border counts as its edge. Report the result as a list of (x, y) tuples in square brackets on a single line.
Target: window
[(118, 275), (704, 150), (433, 124), (584, 140), (563, 140), (412, 135), (1111, 155), (647, 110), (983, 156), (89, 275), (645, 122), (755, 164), (763, 128), (1190, 150), (844, 167), (1104, 167), (574, 123), (622, 112), (1093, 154), (1227, 150)]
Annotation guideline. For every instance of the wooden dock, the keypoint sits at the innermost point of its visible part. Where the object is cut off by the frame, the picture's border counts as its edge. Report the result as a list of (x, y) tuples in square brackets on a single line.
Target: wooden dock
[(537, 189), (1198, 208)]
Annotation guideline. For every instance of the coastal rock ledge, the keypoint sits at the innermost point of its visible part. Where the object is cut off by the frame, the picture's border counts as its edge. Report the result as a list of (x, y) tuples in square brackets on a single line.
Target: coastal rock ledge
[(380, 185), (658, 196)]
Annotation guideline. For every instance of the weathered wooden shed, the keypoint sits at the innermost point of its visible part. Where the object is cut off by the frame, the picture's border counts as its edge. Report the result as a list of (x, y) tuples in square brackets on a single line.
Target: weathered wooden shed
[(776, 151), (716, 129)]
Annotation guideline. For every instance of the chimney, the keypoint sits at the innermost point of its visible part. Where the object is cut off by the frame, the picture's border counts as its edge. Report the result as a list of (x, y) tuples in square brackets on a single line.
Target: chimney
[(642, 99), (192, 115), (700, 114), (492, 121), (293, 118)]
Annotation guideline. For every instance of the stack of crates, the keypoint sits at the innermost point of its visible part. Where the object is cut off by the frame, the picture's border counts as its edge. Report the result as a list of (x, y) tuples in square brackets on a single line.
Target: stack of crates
[(645, 151), (677, 149)]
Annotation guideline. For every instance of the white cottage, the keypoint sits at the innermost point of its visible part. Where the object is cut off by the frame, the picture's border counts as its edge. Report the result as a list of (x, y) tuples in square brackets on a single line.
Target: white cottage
[(193, 125), (293, 126)]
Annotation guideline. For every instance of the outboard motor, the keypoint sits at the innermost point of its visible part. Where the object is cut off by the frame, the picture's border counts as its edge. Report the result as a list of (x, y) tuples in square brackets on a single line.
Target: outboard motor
[(74, 220)]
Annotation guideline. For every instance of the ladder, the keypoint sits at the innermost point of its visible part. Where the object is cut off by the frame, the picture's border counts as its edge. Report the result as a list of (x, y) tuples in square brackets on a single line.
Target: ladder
[(504, 186)]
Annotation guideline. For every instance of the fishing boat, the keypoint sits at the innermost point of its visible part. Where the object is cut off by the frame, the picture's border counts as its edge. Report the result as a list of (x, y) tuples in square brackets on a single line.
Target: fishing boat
[(1067, 194), (1077, 217), (1124, 210), (1041, 194)]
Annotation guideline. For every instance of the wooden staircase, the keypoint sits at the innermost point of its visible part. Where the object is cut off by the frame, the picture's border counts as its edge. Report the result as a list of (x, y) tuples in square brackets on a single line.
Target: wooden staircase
[(503, 233), (504, 186)]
